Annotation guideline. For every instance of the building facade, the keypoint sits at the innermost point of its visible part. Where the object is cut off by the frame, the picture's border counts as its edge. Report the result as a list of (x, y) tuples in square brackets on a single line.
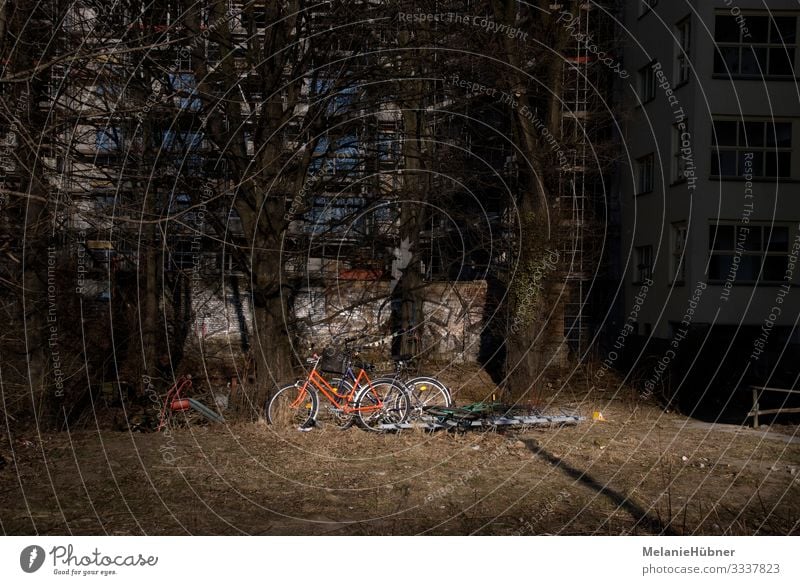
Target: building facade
[(709, 201)]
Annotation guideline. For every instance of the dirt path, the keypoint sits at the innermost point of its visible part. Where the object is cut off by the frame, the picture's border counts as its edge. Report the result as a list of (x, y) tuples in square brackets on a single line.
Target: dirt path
[(763, 432), (640, 472)]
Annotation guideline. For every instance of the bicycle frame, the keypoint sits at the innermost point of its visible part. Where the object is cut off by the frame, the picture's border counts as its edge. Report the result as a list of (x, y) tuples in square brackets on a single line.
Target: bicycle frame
[(322, 386), (357, 383)]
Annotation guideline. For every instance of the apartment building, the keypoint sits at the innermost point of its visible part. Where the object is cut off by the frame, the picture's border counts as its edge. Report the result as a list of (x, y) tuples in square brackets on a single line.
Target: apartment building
[(133, 149), (710, 207)]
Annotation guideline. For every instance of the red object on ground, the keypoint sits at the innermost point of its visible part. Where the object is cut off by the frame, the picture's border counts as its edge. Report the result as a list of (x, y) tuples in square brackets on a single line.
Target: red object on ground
[(182, 404), (174, 399)]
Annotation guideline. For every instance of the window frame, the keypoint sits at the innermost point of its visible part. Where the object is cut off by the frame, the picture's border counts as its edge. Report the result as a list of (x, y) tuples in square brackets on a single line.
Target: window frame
[(646, 83), (109, 140), (678, 256), (184, 86), (744, 44), (181, 254), (643, 185), (678, 163), (644, 264), (683, 52), (741, 148), (767, 230)]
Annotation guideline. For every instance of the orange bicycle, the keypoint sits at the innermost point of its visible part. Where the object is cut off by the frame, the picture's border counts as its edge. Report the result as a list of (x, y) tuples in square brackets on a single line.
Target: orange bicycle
[(353, 397)]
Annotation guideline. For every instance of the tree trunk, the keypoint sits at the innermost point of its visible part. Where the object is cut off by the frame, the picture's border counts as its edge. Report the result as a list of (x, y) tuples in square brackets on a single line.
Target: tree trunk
[(145, 348), (409, 316), (40, 298), (36, 306), (150, 317), (273, 342), (407, 292), (529, 331)]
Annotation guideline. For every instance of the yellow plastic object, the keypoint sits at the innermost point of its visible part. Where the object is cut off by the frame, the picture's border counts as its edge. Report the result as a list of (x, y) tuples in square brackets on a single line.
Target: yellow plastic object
[(597, 415)]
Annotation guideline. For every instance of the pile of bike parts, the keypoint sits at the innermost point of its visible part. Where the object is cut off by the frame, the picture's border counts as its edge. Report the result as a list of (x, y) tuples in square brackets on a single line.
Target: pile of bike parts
[(176, 402), (483, 415)]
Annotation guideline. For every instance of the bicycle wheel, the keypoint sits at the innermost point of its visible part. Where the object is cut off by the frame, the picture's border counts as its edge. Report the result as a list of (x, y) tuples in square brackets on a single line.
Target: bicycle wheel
[(293, 407), (382, 402), (425, 391)]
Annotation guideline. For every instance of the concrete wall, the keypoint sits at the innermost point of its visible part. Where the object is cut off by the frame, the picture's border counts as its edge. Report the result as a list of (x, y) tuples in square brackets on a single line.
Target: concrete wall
[(454, 317)]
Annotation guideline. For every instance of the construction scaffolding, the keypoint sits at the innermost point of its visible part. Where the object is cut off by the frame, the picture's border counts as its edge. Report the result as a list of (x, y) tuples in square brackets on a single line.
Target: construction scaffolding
[(579, 178)]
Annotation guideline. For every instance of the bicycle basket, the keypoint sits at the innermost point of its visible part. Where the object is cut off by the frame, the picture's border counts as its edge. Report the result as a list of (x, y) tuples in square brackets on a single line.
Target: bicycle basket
[(333, 361)]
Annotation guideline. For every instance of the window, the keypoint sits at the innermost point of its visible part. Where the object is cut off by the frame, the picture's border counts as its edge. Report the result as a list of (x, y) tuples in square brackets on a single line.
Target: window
[(108, 93), (185, 149), (644, 174), (319, 160), (644, 264), (255, 16), (741, 252), (104, 204), (181, 140), (335, 215), (108, 140), (346, 157), (678, 162), (754, 45), (678, 246), (179, 202), (756, 148), (213, 54), (183, 58), (224, 262), (683, 35), (389, 147), (185, 87), (647, 83), (340, 100), (182, 254)]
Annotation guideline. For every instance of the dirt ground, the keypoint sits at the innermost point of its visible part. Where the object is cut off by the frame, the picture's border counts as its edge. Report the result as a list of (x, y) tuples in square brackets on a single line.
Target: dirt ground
[(641, 471)]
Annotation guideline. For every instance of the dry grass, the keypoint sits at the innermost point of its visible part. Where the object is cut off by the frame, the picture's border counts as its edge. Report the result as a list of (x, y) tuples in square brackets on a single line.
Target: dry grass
[(626, 475)]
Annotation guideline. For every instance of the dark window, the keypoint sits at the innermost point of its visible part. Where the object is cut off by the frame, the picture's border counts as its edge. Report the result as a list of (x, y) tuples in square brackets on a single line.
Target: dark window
[(647, 83), (185, 87), (721, 237), (108, 140), (644, 264), (336, 215), (741, 252), (755, 45), (743, 148), (183, 253), (678, 267), (683, 54), (645, 168), (678, 160)]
